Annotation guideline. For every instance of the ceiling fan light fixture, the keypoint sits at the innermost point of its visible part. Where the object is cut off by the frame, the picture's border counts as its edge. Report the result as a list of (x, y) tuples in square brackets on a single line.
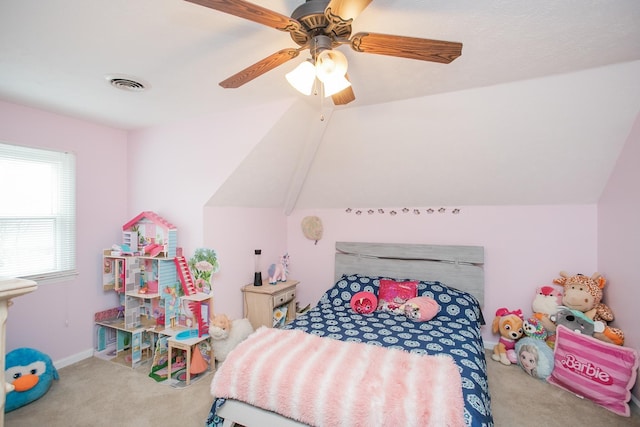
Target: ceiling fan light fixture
[(335, 84), (331, 64), (302, 77)]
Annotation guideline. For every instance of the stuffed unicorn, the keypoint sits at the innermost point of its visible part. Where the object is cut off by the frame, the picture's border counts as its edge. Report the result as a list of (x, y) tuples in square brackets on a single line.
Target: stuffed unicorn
[(278, 272)]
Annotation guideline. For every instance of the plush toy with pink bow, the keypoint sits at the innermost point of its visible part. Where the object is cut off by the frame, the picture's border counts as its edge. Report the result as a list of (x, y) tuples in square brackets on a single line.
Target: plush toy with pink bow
[(508, 323)]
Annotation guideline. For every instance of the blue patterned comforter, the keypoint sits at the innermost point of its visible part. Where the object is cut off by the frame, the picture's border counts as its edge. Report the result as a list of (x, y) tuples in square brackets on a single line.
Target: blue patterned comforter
[(454, 331)]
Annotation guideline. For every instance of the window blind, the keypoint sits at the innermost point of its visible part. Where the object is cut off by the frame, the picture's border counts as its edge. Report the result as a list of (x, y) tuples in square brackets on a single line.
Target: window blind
[(37, 213)]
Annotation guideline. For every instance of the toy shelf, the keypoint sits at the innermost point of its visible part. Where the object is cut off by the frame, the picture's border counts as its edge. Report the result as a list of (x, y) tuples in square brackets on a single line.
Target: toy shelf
[(138, 294)]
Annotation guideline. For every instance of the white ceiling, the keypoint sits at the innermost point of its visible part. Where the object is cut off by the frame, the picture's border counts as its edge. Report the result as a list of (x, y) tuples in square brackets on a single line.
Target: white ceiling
[(54, 55)]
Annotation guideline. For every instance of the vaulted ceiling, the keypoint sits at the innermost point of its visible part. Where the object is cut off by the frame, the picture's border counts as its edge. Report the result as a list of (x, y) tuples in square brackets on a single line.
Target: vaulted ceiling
[(535, 110)]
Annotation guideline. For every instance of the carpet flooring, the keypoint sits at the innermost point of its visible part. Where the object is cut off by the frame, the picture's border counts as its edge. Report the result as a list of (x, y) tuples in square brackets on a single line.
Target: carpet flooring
[(98, 393)]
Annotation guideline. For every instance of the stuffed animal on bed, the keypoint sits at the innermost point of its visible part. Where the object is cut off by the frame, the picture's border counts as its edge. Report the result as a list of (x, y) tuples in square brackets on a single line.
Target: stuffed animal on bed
[(226, 334), (364, 302), (28, 375), (584, 293), (420, 309), (508, 323)]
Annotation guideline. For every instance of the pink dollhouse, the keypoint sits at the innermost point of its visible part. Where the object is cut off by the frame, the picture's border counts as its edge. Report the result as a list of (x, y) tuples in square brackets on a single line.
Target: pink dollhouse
[(152, 304), (152, 234)]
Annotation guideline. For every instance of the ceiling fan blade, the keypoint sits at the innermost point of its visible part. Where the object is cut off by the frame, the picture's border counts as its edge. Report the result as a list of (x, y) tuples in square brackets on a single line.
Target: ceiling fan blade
[(407, 47), (259, 68), (252, 12), (345, 10), (345, 96)]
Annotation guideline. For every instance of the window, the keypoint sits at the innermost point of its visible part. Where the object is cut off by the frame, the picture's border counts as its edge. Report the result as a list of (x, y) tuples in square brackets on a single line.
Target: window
[(37, 213)]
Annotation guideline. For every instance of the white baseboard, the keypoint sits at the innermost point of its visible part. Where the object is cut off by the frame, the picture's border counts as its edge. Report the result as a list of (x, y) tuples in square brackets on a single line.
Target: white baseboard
[(73, 359), (488, 345), (635, 401)]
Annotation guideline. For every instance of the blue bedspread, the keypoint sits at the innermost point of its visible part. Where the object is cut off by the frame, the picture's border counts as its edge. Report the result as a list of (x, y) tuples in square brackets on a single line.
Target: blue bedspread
[(455, 331)]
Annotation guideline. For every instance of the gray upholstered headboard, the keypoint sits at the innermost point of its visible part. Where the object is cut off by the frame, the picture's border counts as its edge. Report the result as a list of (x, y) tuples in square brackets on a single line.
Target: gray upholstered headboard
[(457, 266)]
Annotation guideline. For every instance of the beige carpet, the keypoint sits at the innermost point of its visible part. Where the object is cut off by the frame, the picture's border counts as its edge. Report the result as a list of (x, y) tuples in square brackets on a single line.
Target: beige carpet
[(98, 393)]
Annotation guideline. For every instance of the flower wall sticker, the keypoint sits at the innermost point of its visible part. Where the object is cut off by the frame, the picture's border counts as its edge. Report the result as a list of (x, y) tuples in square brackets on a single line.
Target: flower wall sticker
[(203, 264)]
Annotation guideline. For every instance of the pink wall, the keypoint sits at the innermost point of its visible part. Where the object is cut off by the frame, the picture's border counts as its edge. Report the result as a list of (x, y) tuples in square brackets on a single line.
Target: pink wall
[(235, 233), (58, 317), (618, 237)]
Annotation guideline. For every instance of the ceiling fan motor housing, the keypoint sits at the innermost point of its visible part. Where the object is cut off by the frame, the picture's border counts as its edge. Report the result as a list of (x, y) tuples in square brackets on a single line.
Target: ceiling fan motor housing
[(311, 15)]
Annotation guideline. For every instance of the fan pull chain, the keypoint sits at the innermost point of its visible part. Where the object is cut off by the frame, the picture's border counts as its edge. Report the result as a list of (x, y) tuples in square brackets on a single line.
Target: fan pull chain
[(321, 102)]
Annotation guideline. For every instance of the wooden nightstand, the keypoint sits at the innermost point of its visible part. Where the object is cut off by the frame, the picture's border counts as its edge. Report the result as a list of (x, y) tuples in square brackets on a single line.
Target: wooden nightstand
[(259, 301)]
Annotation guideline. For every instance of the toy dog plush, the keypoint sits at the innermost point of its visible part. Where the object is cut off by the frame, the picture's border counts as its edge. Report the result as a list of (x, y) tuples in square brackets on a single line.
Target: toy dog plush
[(509, 325)]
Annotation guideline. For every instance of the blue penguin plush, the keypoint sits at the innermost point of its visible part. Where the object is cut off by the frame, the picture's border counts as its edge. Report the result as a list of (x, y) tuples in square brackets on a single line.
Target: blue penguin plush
[(29, 374)]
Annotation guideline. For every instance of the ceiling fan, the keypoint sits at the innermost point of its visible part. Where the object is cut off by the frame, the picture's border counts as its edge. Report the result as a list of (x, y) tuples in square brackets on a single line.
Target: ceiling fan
[(320, 26)]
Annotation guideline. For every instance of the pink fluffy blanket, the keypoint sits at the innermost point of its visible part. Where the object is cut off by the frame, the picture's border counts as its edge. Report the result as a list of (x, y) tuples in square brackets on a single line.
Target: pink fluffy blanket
[(325, 382)]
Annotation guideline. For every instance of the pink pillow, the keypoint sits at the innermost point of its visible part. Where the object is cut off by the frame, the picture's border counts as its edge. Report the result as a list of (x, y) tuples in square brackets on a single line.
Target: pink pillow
[(392, 294), (597, 370), (364, 302), (420, 309)]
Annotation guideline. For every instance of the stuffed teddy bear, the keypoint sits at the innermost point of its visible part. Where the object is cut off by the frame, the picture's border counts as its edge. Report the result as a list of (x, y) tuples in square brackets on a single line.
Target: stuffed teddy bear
[(420, 309), (226, 335), (584, 294), (509, 325)]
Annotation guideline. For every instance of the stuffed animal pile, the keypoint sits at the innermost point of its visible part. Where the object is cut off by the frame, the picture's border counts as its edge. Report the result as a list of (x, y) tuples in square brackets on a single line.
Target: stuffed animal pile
[(573, 301)]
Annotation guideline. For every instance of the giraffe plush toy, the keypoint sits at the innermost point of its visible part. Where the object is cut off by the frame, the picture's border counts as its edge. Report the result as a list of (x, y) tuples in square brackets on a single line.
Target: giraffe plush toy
[(584, 293)]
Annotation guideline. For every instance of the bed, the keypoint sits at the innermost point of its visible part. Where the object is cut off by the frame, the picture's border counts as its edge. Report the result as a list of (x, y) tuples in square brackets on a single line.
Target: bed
[(368, 377)]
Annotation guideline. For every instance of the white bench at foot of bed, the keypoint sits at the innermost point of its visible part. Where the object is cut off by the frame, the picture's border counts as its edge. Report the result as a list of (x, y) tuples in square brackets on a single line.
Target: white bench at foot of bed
[(250, 416)]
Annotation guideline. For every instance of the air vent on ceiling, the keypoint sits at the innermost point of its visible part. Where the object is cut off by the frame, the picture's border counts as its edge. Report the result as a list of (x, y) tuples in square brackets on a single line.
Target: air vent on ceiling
[(128, 83)]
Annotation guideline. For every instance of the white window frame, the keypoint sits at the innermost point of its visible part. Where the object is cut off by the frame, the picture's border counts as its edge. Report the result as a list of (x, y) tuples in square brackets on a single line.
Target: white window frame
[(37, 213)]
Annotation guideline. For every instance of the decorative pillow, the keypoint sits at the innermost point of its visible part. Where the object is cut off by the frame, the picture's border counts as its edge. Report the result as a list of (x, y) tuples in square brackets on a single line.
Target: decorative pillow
[(364, 302), (535, 357), (420, 309), (597, 370), (392, 294)]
